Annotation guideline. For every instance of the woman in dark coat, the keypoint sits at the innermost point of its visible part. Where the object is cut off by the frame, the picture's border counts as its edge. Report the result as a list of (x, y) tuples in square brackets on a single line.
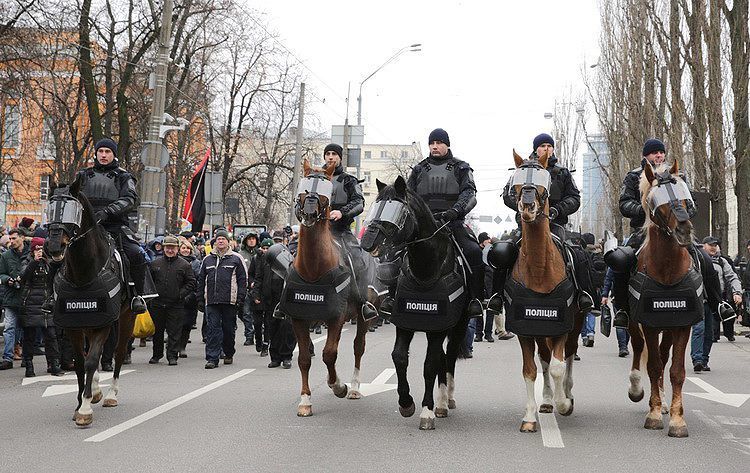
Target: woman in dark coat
[(34, 271), (191, 307)]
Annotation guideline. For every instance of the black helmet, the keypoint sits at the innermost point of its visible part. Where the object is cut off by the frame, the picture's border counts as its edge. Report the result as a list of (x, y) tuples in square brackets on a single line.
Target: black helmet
[(502, 254)]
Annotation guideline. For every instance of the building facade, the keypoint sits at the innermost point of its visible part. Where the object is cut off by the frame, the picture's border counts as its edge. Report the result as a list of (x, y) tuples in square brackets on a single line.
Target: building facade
[(594, 208)]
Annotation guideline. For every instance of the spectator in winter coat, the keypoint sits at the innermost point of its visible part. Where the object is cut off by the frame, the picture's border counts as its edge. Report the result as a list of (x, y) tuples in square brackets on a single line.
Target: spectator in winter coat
[(222, 287), (175, 283), (10, 270), (190, 309), (248, 249), (34, 272)]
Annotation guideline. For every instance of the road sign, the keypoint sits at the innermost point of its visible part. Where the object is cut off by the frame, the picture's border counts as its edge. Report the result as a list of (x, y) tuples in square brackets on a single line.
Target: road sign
[(485, 218), (498, 220), (356, 134)]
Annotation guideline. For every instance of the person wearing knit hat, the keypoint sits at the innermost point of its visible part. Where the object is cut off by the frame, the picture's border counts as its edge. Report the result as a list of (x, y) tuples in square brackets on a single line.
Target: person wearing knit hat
[(541, 139), (439, 135), (654, 147), (36, 243), (108, 143), (266, 243)]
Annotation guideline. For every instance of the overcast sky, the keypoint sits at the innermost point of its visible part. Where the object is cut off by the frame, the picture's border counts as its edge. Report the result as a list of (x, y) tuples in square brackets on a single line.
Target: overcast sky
[(487, 72)]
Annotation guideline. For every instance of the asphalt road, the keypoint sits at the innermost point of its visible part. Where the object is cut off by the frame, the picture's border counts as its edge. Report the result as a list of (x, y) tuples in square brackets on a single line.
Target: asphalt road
[(243, 418)]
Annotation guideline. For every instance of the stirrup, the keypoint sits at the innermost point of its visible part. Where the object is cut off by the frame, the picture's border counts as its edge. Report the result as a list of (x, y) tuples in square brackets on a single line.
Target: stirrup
[(278, 314), (585, 301), (495, 303), (138, 305), (475, 308), (368, 311), (386, 307), (621, 319)]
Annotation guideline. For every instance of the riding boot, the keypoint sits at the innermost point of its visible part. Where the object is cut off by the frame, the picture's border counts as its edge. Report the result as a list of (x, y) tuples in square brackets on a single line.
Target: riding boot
[(138, 273), (29, 369), (386, 307), (278, 314), (476, 292), (620, 293), (368, 311), (496, 301)]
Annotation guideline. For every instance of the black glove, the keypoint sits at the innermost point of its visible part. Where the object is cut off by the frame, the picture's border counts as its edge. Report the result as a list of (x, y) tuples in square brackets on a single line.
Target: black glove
[(448, 216), (100, 216), (553, 213)]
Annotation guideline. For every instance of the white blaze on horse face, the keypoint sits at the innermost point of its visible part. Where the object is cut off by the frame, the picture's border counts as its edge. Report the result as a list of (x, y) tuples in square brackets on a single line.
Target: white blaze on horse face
[(530, 414), (305, 400)]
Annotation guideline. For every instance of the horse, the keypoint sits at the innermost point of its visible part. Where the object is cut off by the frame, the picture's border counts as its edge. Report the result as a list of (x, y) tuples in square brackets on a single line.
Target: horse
[(317, 256), (540, 268), (664, 258), (83, 248), (402, 220)]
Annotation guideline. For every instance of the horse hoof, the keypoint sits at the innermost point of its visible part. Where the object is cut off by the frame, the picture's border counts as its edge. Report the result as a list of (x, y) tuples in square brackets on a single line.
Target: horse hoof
[(407, 411), (451, 403), (84, 420), (678, 431), (568, 411), (426, 424), (528, 427), (341, 392), (109, 403), (636, 397), (354, 395), (653, 424), (546, 408), (304, 411), (441, 412), (96, 398)]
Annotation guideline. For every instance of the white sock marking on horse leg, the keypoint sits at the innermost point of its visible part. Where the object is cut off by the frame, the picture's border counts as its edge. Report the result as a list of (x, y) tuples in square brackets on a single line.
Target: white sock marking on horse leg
[(664, 405), (547, 389), (305, 400), (530, 415), (114, 388), (568, 383), (95, 384), (85, 408), (355, 380), (451, 387), (557, 371), (635, 383), (426, 413), (337, 385), (442, 398)]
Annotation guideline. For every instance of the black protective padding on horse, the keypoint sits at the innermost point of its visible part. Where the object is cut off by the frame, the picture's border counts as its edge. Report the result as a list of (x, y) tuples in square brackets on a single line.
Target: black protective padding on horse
[(387, 272), (94, 305), (535, 314), (429, 308), (657, 305), (323, 299), (622, 259)]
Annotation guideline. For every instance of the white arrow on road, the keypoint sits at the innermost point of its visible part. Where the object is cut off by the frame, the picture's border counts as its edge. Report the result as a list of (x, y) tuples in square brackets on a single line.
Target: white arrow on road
[(378, 384), (103, 376), (713, 394)]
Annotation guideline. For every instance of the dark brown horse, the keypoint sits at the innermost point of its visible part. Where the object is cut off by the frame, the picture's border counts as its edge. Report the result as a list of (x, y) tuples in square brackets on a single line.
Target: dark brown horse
[(84, 249), (540, 268), (317, 255), (665, 259)]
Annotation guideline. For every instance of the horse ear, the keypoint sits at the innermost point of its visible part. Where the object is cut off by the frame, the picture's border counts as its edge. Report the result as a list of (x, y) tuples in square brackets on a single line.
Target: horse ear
[(544, 158), (400, 186), (649, 172), (517, 159), (75, 188), (380, 185), (675, 169), (329, 171), (306, 167)]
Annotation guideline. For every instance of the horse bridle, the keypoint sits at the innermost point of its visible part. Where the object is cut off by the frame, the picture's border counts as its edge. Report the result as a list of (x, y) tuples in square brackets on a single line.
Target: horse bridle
[(409, 221), (314, 186), (64, 214), (530, 176), (668, 182)]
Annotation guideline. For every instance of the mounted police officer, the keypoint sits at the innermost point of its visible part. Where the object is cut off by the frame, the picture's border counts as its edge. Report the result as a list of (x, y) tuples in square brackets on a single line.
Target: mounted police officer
[(346, 203), (564, 200), (446, 184), (112, 192)]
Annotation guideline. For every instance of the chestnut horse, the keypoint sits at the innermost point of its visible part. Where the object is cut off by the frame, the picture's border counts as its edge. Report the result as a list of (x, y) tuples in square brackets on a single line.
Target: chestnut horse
[(541, 268), (664, 258), (84, 250), (317, 254)]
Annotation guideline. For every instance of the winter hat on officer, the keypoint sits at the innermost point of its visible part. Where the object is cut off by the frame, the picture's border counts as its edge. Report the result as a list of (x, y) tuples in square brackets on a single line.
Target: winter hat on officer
[(266, 243), (539, 140), (438, 134), (106, 143), (653, 145), (335, 148)]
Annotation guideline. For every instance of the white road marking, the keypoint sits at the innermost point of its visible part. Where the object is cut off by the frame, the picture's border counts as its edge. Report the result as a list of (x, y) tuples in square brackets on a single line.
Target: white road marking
[(728, 420), (111, 432), (319, 339), (378, 384), (743, 443), (551, 436), (713, 394), (103, 376), (57, 389)]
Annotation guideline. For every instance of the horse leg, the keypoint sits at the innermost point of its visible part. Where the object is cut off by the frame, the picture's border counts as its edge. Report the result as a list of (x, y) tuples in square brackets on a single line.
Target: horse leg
[(455, 339), (304, 361), (330, 353), (664, 347), (76, 339), (655, 371), (400, 357), (635, 390), (557, 371), (544, 358), (125, 330), (441, 403), (528, 424), (430, 370), (96, 343), (677, 424), (571, 348), (359, 350)]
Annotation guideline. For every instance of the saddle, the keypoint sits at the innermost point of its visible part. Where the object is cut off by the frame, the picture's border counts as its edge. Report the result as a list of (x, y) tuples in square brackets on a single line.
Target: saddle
[(535, 314), (657, 305)]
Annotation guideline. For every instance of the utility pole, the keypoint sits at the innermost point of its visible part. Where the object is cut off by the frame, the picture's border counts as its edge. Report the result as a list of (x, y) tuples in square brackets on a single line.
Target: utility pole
[(298, 150), (155, 155), (345, 157)]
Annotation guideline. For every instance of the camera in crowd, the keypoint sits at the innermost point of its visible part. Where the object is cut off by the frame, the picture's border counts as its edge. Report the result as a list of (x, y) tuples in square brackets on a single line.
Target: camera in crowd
[(14, 283)]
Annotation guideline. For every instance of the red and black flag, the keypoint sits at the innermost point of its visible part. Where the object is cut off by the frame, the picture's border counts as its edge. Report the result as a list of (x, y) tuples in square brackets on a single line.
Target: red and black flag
[(195, 202)]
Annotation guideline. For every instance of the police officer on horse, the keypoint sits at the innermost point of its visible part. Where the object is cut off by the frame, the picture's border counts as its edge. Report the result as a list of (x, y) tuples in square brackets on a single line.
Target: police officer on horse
[(112, 192), (346, 203), (446, 184)]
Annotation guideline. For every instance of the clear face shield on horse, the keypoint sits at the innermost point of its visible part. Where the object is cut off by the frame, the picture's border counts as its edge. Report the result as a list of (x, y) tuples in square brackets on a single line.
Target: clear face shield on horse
[(530, 185), (385, 221), (672, 192), (64, 214), (310, 206)]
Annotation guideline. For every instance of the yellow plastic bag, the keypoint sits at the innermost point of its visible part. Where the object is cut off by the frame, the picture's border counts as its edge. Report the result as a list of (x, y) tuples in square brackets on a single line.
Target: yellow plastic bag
[(144, 326)]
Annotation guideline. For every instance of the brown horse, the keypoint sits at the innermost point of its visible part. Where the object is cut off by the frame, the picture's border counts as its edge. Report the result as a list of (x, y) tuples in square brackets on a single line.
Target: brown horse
[(317, 255), (665, 259), (83, 249), (540, 268)]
